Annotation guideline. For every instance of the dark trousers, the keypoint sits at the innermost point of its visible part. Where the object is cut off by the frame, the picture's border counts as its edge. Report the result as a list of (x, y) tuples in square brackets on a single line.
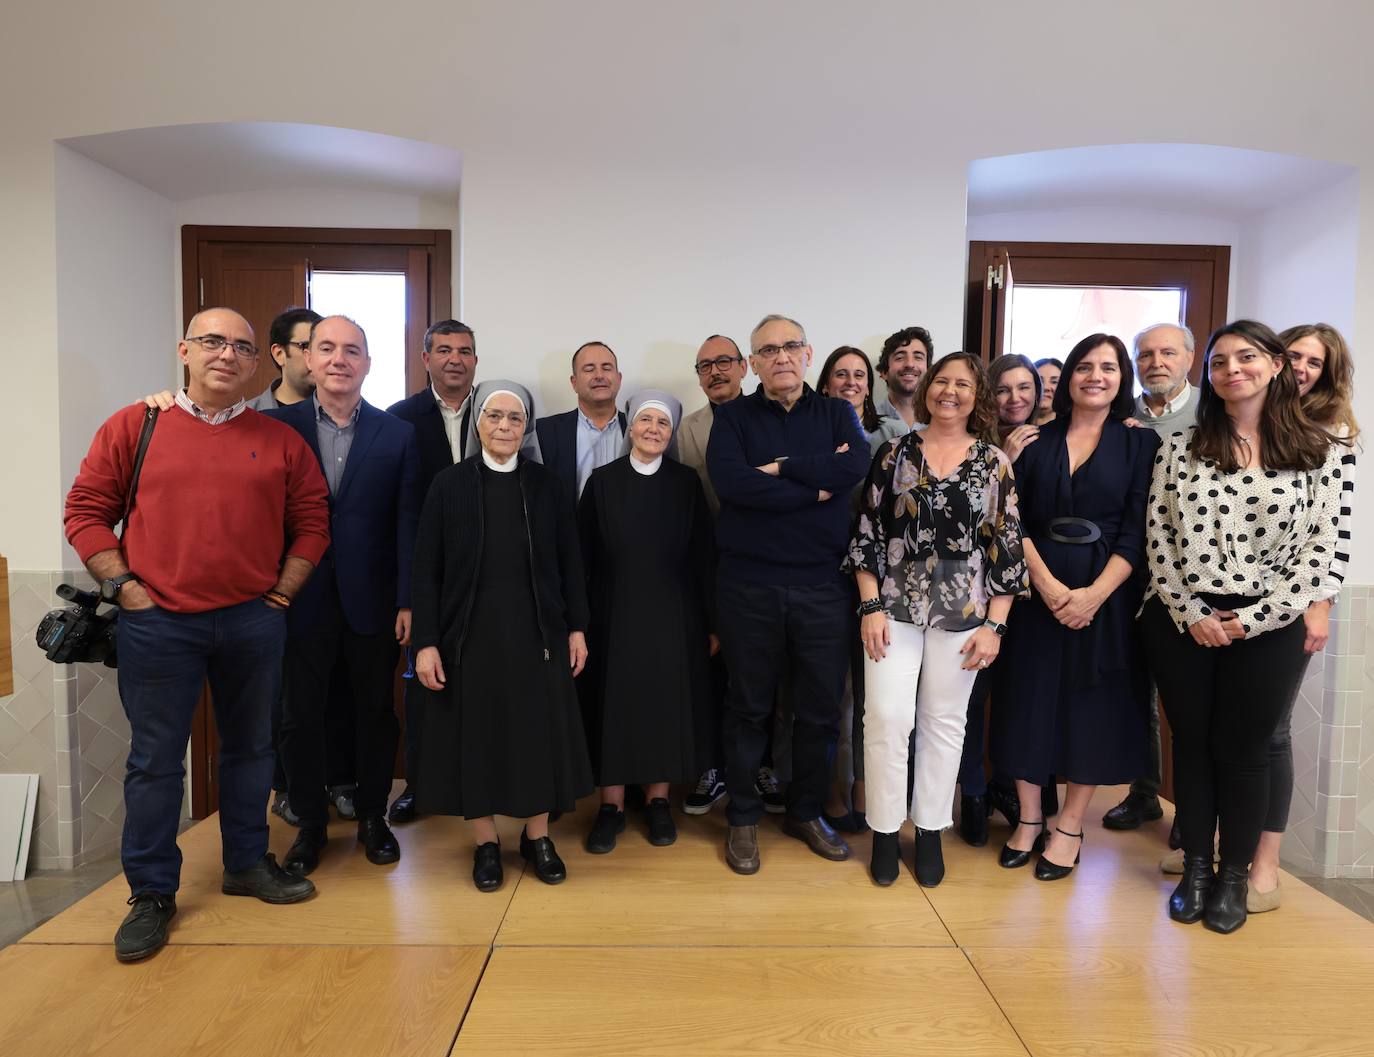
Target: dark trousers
[(164, 661), (370, 664), (338, 734), (764, 631), (1280, 773), (1224, 704)]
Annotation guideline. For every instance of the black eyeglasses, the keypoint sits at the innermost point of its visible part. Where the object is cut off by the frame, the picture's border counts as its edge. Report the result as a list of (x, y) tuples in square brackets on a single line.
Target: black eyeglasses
[(720, 363), (214, 342)]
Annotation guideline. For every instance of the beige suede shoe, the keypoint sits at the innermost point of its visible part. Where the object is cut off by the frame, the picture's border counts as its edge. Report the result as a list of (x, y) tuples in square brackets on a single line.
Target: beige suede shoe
[(1259, 902)]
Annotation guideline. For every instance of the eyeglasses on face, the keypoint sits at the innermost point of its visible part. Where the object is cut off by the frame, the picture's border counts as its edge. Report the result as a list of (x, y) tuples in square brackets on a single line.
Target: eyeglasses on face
[(244, 350), (495, 418), (768, 352), (720, 363)]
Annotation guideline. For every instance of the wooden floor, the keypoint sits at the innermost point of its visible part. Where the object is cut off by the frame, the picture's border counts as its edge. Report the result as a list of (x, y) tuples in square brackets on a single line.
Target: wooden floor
[(663, 951)]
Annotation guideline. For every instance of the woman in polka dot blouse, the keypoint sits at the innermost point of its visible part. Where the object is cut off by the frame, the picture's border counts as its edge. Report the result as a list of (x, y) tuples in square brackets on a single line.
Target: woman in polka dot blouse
[(1241, 534)]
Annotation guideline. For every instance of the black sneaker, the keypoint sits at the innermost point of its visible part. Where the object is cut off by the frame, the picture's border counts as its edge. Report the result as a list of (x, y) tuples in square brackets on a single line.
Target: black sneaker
[(1135, 809), (267, 881), (766, 786), (341, 796), (610, 821), (710, 788), (144, 930), (281, 807), (659, 816)]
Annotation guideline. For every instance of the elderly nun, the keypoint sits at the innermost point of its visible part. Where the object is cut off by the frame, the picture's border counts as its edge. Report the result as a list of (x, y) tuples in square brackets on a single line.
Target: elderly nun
[(648, 547), (499, 622)]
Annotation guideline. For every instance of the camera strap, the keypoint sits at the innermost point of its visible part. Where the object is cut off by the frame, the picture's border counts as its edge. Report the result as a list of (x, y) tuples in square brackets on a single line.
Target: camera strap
[(145, 437)]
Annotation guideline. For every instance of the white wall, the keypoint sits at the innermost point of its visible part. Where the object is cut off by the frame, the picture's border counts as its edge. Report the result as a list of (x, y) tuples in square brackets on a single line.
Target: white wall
[(115, 312)]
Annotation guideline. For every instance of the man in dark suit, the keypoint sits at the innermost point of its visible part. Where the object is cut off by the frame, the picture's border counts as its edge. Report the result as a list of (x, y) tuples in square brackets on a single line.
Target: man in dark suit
[(356, 606), (440, 413), (576, 442)]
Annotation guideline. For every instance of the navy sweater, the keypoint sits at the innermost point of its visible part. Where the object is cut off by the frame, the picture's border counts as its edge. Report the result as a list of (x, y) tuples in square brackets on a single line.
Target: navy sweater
[(774, 530)]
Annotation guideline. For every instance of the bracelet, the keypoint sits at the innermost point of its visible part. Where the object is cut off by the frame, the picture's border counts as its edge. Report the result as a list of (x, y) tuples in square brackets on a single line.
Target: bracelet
[(869, 606), (277, 598)]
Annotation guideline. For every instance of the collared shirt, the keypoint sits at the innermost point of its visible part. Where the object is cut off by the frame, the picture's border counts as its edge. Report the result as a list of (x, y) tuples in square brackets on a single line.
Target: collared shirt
[(216, 418), (595, 447), (887, 409), (1170, 406), (335, 442), (453, 422), (267, 399)]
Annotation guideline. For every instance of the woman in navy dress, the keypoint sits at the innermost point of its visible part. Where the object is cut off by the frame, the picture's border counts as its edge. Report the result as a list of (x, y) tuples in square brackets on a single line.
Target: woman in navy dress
[(1071, 694)]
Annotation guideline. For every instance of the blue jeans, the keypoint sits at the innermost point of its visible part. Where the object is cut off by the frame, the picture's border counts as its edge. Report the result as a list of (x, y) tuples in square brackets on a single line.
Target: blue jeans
[(164, 661)]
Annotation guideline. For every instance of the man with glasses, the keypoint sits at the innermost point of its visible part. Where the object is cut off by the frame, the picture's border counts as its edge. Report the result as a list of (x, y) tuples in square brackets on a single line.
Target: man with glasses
[(290, 337), (784, 461), (440, 414), (231, 515), (904, 359), (589, 436)]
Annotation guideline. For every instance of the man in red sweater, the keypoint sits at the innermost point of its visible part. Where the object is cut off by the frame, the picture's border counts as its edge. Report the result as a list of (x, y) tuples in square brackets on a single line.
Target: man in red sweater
[(230, 517)]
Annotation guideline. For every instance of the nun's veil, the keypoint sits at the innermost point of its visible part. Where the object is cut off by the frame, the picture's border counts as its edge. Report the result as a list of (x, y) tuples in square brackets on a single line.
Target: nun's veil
[(529, 443)]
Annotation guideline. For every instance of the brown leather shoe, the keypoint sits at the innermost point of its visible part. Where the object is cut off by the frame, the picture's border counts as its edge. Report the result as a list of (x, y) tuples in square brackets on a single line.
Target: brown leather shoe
[(819, 837), (742, 849)]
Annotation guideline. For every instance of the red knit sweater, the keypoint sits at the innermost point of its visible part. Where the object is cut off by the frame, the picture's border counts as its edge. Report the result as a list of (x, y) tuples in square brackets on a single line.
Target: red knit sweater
[(218, 507)]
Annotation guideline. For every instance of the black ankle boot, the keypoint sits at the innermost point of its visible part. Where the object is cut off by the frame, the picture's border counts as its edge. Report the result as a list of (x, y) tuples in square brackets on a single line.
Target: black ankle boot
[(1190, 897), (886, 861), (930, 858), (1226, 904), (973, 820)]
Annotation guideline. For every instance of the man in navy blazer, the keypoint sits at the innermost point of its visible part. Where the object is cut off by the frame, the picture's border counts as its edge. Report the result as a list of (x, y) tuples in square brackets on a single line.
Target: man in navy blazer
[(576, 442), (356, 606), (440, 413)]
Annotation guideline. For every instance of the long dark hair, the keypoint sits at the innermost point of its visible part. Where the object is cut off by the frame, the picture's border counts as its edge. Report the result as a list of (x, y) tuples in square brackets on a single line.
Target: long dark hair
[(1289, 440), (1123, 406), (1328, 402), (982, 420), (1000, 366), (870, 417)]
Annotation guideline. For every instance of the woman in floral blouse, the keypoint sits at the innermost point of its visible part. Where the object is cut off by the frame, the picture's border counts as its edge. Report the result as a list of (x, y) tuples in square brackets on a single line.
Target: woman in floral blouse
[(937, 557)]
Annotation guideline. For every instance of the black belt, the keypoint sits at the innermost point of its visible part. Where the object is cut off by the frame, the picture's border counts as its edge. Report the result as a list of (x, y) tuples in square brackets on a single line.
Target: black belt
[(1088, 532)]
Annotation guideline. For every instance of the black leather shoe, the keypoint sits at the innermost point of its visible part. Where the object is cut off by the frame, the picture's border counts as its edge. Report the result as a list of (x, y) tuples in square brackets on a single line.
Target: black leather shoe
[(1052, 871), (849, 822), (144, 929), (378, 842), (1190, 897), (267, 881), (487, 874), (304, 854), (403, 808), (973, 820), (818, 836), (1013, 858), (930, 858), (1175, 836), (548, 867), (886, 860), (1001, 798), (610, 821), (1132, 811), (1225, 911), (659, 817)]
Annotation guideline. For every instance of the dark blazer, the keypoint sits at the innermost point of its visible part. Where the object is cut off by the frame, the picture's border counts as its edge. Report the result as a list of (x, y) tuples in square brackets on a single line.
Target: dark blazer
[(448, 554), (422, 412), (558, 447), (371, 523)]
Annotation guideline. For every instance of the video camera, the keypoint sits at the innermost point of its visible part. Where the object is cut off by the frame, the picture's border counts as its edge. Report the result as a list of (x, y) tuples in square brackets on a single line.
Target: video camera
[(78, 634)]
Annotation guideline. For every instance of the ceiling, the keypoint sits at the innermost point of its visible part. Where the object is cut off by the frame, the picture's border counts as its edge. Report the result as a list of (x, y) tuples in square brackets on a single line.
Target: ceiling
[(1168, 177), (192, 161)]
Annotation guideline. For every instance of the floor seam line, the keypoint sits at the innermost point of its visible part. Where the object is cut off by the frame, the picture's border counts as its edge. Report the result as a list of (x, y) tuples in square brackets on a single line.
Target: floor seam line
[(1005, 1015)]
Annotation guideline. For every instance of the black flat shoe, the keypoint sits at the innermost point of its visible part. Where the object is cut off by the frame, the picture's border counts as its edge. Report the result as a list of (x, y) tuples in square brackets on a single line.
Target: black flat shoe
[(849, 822), (487, 874), (1225, 911), (403, 808), (267, 881), (930, 858), (1002, 799), (973, 820), (1132, 811), (379, 843), (1190, 897), (1052, 871), (886, 861), (609, 823), (548, 867), (659, 817), (1013, 858), (144, 930), (304, 853)]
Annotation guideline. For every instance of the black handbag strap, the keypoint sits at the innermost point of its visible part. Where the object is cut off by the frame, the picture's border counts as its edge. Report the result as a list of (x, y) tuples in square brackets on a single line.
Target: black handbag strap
[(145, 437)]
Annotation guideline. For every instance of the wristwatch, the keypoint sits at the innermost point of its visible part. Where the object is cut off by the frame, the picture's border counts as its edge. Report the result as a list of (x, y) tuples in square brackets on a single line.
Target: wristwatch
[(109, 589), (1001, 629)]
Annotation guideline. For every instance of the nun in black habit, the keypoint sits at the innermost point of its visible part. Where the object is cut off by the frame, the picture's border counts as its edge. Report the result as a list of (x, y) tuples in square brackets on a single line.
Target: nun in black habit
[(648, 547), (499, 621)]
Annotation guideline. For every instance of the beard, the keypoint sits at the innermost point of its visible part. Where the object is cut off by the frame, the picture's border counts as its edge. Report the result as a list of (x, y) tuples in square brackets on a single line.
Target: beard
[(1161, 388)]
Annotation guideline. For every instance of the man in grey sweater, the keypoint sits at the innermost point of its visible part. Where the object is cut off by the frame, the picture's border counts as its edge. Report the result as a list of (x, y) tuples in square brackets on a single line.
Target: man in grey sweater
[(1163, 358)]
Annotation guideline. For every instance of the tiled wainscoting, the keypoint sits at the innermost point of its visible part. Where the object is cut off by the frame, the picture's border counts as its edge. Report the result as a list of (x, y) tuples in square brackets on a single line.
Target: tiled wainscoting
[(65, 724)]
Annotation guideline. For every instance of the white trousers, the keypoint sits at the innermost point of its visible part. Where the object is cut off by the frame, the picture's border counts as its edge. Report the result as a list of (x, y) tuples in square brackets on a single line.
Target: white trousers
[(920, 682)]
